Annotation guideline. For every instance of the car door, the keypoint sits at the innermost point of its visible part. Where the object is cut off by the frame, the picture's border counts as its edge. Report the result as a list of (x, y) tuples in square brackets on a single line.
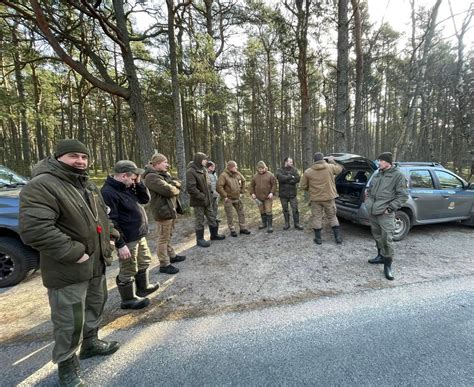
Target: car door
[(426, 198), (457, 201)]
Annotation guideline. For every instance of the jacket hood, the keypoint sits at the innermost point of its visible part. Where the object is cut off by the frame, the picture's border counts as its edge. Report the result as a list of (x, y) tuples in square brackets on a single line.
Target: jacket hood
[(390, 171), (318, 165), (63, 171)]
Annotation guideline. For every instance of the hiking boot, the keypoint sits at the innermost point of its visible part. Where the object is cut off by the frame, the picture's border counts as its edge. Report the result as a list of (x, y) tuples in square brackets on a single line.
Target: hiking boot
[(68, 375), (233, 233), (93, 346), (170, 269), (244, 231), (177, 258)]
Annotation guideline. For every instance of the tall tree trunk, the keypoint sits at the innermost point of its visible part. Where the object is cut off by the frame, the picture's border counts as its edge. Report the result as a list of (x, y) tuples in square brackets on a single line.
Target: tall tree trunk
[(342, 98), (137, 105), (177, 114), (40, 138), (359, 81)]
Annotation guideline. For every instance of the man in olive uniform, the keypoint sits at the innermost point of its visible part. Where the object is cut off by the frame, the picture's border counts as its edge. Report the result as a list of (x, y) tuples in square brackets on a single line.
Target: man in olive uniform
[(386, 193), (288, 179), (198, 186), (231, 185), (164, 205), (63, 216), (125, 194)]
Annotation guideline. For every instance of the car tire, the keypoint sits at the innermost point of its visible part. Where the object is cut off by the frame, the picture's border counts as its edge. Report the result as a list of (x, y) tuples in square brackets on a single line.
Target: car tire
[(402, 225), (16, 261)]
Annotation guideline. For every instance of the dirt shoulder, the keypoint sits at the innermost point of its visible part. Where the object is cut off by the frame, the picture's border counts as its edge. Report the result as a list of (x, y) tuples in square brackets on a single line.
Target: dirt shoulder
[(256, 271)]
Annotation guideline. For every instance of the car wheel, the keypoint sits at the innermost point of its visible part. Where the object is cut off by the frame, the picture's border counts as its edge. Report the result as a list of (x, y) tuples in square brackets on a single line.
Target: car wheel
[(16, 260), (402, 225)]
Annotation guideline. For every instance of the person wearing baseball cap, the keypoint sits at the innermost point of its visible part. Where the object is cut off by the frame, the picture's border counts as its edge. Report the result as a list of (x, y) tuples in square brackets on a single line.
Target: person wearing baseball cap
[(386, 193), (125, 194)]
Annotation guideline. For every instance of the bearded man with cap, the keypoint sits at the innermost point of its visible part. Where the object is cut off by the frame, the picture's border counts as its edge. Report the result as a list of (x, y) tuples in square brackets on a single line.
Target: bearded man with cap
[(125, 194), (262, 189), (198, 185), (164, 206), (386, 193), (63, 216), (319, 181), (231, 185)]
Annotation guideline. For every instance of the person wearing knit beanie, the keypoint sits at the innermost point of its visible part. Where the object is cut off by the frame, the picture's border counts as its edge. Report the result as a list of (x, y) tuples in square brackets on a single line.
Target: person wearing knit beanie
[(262, 189), (386, 156), (157, 158), (70, 145), (231, 164), (386, 193)]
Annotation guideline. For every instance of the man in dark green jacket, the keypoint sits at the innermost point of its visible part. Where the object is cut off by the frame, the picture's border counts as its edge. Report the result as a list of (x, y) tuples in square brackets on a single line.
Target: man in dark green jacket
[(63, 216), (198, 186), (386, 193)]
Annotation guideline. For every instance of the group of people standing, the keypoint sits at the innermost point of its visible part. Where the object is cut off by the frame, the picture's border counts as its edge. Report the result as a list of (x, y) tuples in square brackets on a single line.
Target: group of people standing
[(75, 227)]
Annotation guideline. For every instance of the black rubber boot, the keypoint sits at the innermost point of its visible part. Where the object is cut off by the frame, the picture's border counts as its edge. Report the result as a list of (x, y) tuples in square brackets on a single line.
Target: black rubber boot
[(215, 236), (200, 241), (128, 296), (317, 236), (93, 346), (68, 374), (337, 234), (264, 222), (387, 268), (142, 280), (287, 221), (376, 260), (269, 223), (296, 220)]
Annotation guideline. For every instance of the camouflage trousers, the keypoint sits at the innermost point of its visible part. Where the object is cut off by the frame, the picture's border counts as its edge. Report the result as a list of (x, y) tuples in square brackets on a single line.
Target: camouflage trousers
[(140, 260)]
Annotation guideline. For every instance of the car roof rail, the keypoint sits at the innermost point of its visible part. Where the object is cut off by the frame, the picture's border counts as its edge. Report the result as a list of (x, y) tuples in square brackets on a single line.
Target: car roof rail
[(419, 163)]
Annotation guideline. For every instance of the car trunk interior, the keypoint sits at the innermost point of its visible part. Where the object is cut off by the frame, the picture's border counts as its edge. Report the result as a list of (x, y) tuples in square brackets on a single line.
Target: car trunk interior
[(351, 182)]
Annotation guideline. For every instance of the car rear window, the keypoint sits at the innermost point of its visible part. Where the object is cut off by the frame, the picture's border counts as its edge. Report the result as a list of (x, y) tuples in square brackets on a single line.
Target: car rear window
[(421, 179)]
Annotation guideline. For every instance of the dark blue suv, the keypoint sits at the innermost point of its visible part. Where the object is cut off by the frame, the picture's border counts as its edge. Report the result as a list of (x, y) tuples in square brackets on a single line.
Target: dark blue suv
[(16, 259)]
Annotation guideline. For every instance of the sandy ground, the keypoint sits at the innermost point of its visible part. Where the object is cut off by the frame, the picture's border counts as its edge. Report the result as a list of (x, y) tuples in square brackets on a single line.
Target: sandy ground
[(256, 271)]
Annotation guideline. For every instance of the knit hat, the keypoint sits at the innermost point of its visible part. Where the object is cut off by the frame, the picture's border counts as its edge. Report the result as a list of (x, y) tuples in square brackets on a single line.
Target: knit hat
[(318, 156), (261, 164), (386, 156), (209, 163), (157, 158), (127, 166), (199, 157), (231, 164), (70, 145)]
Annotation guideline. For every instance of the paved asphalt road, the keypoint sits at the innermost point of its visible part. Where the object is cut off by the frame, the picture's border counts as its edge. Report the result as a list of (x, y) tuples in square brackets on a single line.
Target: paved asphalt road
[(417, 335)]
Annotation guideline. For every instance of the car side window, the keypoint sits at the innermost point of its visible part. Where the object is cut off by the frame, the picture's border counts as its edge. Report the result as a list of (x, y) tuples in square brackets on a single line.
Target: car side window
[(448, 181), (421, 179)]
